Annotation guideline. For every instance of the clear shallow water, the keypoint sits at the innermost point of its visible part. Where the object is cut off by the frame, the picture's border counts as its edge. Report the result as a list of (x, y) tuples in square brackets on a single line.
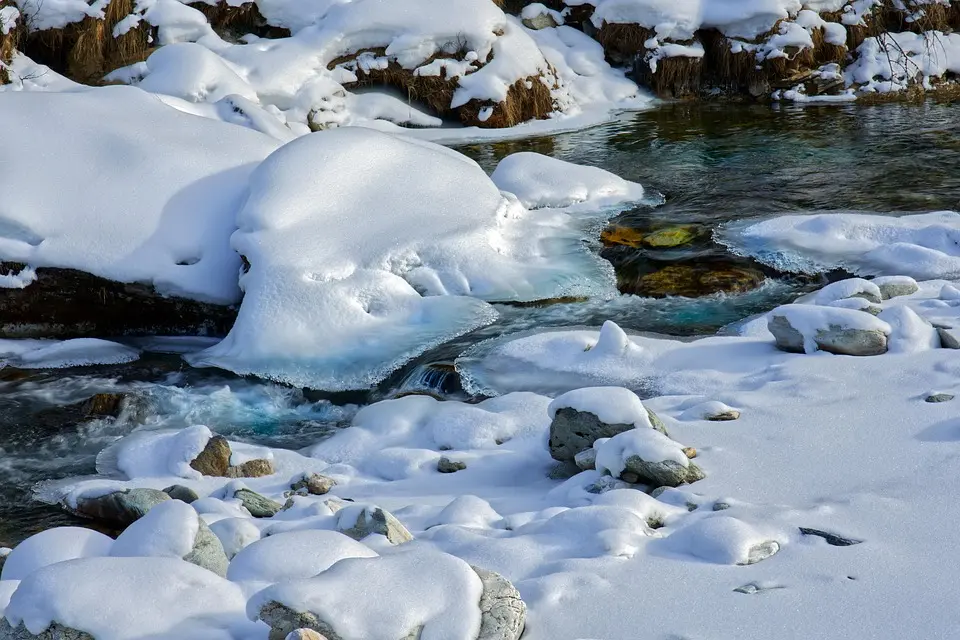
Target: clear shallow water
[(713, 163)]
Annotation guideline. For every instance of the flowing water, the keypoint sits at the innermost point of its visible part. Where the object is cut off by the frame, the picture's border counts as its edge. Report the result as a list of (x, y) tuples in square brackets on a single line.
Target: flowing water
[(713, 163)]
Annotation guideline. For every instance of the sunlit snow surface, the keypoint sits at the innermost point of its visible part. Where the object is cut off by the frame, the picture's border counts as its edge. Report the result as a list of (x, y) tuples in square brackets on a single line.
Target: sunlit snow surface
[(366, 249), (923, 246)]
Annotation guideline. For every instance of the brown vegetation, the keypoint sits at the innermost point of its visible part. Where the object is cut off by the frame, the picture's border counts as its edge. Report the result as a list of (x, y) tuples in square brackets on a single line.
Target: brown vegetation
[(231, 23), (8, 45)]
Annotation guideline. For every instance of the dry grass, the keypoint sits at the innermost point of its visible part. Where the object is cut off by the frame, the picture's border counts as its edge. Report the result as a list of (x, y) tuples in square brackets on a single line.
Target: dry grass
[(8, 45), (825, 52), (527, 99), (622, 42), (231, 23)]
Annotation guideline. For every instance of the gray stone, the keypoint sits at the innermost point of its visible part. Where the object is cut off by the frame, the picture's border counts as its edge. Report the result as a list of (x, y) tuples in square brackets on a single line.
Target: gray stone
[(832, 339), (896, 287), (258, 505), (120, 508), (446, 465), (761, 552), (283, 621), (720, 505), (832, 539), (938, 397), (667, 473), (753, 587), (563, 470), (586, 460), (305, 634), (208, 551), (540, 21), (371, 520), (606, 483), (573, 431), (502, 612), (949, 337), (182, 493), (630, 477), (56, 631), (314, 484)]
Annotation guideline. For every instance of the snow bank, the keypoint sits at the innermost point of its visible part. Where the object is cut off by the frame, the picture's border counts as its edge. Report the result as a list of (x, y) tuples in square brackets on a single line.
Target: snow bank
[(175, 183), (388, 597), (924, 246), (294, 555), (53, 546), (168, 530), (52, 354), (351, 275), (541, 181), (126, 598)]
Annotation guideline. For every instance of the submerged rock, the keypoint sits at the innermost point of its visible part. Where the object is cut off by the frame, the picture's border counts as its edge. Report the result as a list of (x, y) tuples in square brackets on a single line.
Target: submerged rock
[(692, 280), (120, 508), (104, 405)]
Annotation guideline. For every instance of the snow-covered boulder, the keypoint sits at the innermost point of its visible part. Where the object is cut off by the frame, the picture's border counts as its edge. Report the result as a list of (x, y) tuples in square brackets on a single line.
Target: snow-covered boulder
[(723, 540), (145, 202), (802, 328), (125, 598), (416, 593), (849, 288), (580, 417), (294, 555), (53, 546), (896, 286), (651, 457), (173, 530), (363, 253)]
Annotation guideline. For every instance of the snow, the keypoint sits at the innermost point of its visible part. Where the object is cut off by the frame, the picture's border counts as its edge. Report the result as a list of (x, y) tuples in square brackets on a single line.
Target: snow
[(810, 320), (183, 177), (126, 598), (168, 530), (541, 181), (162, 453), (294, 555), (53, 546), (895, 60), (416, 273), (849, 288), (923, 246), (428, 588), (611, 405), (720, 539), (54, 354)]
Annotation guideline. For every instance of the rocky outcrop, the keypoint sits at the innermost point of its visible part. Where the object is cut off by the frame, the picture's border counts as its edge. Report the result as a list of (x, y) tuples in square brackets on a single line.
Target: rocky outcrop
[(65, 303), (214, 461), (572, 432)]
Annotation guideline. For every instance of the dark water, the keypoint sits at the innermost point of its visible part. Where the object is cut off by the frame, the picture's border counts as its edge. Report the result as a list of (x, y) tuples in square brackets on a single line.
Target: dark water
[(713, 163)]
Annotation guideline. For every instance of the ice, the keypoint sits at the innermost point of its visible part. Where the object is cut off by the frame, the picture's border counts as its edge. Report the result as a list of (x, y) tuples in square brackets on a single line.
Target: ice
[(422, 587), (127, 598), (294, 555), (541, 181), (923, 246), (333, 304), (175, 183), (54, 354), (53, 546)]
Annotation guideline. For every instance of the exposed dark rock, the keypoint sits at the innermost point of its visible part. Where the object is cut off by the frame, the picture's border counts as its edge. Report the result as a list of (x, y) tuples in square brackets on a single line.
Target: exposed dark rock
[(65, 303), (214, 460), (831, 538)]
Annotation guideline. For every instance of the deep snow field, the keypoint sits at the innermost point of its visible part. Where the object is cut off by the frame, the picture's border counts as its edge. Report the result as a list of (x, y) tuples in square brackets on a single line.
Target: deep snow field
[(793, 475)]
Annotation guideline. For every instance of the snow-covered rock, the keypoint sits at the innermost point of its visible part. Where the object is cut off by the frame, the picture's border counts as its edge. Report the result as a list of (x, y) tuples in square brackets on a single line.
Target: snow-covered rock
[(358, 522), (52, 546), (580, 417), (654, 458), (294, 555), (805, 329), (346, 303)]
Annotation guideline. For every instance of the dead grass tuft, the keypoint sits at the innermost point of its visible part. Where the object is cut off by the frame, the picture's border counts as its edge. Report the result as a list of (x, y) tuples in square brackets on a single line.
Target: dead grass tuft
[(8, 45), (623, 42), (231, 23), (527, 99)]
